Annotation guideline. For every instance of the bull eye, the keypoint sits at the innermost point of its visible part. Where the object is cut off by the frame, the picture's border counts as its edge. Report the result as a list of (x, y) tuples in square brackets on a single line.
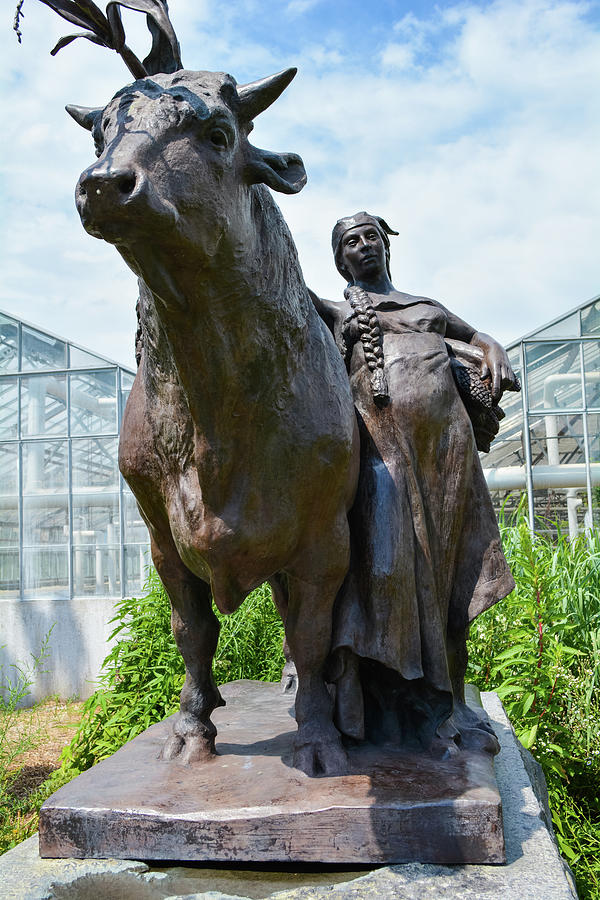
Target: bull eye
[(218, 138)]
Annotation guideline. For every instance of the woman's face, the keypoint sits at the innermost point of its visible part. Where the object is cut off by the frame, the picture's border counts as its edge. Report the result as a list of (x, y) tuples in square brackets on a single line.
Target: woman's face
[(363, 252)]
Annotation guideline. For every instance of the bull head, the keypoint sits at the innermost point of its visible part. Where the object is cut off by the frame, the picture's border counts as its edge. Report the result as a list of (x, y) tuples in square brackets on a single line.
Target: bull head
[(283, 172), (176, 165)]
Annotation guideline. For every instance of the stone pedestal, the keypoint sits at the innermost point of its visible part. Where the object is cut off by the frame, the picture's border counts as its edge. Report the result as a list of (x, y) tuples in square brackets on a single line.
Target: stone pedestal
[(250, 805), (533, 868)]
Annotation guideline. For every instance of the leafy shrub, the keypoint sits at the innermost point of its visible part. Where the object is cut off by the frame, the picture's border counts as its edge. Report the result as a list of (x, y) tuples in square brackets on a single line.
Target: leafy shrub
[(540, 650), (143, 674)]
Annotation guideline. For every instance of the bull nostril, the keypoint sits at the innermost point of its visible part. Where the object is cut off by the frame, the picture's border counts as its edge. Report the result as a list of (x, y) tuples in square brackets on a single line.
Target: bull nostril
[(126, 184)]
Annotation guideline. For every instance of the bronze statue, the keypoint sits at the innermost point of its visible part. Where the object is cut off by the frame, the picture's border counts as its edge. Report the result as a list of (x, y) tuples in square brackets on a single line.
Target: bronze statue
[(426, 552), (240, 438)]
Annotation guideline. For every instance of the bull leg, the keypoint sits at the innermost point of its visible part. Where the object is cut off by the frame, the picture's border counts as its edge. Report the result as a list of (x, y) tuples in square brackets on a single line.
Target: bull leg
[(196, 632), (280, 594), (318, 748)]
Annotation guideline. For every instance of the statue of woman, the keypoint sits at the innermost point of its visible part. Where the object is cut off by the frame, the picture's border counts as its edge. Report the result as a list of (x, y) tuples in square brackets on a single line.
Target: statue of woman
[(426, 552)]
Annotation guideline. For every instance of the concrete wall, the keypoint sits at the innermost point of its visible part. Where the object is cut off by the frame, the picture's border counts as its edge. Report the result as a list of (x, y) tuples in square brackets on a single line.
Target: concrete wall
[(77, 644)]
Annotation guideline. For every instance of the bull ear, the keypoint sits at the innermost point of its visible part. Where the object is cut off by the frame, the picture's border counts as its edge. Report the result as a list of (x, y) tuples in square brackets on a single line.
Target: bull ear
[(85, 116), (255, 97), (283, 172)]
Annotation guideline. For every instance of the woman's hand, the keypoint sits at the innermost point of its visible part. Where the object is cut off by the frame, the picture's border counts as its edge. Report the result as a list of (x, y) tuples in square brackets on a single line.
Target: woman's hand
[(347, 336), (495, 365)]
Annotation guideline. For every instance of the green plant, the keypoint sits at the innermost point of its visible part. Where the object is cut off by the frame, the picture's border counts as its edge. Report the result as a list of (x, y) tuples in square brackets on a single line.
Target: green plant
[(143, 674), (15, 740), (14, 689), (540, 650)]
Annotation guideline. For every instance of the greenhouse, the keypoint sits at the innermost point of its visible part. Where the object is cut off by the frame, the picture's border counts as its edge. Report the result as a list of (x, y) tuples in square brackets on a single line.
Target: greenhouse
[(548, 446), (69, 527)]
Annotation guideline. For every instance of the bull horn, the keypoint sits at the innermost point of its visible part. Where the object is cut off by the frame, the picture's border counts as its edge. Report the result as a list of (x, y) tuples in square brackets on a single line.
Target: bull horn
[(255, 97), (84, 115)]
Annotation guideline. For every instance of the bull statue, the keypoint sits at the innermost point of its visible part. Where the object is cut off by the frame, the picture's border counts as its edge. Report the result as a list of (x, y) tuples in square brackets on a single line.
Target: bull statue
[(239, 438)]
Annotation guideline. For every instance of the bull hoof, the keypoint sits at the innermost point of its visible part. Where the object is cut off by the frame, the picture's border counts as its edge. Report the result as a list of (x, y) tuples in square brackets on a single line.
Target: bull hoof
[(189, 749), (190, 741), (321, 757)]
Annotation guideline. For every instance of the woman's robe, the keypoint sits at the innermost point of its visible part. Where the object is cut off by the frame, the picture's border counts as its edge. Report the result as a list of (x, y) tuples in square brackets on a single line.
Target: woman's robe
[(426, 551)]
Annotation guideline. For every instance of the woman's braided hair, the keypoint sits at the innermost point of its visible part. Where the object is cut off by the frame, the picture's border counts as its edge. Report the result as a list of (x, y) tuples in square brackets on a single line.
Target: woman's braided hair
[(371, 339), (369, 326)]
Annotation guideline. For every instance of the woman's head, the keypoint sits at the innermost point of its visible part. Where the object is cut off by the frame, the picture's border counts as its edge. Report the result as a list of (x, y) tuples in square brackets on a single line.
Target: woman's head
[(351, 228)]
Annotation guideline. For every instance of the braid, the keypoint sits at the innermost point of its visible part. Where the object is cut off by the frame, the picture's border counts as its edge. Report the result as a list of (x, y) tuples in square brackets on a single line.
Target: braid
[(371, 339)]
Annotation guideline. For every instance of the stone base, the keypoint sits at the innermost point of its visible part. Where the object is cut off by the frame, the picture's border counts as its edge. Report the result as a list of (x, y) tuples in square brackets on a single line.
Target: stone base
[(533, 869), (249, 804)]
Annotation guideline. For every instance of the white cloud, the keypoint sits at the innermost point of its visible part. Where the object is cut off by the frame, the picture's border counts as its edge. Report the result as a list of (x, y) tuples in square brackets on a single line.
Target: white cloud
[(474, 130), (397, 56), (299, 7)]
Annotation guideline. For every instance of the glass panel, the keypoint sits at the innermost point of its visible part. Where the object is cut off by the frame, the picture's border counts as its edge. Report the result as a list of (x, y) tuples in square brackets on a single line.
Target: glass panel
[(591, 362), (82, 359), (45, 520), (514, 357), (557, 440), (96, 518), (135, 527), (553, 375), (96, 570), (126, 385), (567, 327), (9, 344), (93, 402), (549, 511), (9, 471), (9, 574), (94, 463), (504, 453), (590, 318), (96, 545), (593, 420), (561, 510), (44, 466), (42, 351), (43, 405), (137, 560), (506, 504), (46, 572), (9, 407), (9, 522)]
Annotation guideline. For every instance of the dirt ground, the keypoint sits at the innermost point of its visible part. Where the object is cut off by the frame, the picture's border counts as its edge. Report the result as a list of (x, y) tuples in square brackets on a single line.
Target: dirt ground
[(50, 726)]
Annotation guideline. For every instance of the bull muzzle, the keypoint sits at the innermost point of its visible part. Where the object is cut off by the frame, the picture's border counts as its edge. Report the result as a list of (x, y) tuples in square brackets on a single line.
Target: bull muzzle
[(103, 193)]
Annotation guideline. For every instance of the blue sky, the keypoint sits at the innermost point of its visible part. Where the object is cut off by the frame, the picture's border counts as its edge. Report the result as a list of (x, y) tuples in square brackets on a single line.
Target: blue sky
[(473, 128)]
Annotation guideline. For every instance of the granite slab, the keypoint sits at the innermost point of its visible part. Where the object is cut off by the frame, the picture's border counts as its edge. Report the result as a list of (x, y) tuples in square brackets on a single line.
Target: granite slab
[(533, 870), (249, 804)]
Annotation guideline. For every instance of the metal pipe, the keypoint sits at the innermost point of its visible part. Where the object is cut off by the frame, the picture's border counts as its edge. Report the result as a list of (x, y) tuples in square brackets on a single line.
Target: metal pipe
[(570, 475)]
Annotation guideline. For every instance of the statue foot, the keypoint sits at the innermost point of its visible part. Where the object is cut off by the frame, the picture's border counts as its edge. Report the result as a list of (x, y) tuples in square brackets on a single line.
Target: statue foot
[(289, 678), (321, 757), (189, 742), (475, 730)]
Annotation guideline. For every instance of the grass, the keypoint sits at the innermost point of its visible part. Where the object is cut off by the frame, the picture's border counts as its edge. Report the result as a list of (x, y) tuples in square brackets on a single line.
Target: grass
[(539, 648)]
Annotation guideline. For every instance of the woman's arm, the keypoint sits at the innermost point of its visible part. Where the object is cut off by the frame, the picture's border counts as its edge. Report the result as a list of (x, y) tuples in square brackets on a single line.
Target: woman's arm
[(495, 365)]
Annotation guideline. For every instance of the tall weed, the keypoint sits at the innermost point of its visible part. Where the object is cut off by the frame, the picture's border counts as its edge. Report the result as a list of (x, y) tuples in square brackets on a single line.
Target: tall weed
[(16, 739), (540, 650), (14, 689)]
